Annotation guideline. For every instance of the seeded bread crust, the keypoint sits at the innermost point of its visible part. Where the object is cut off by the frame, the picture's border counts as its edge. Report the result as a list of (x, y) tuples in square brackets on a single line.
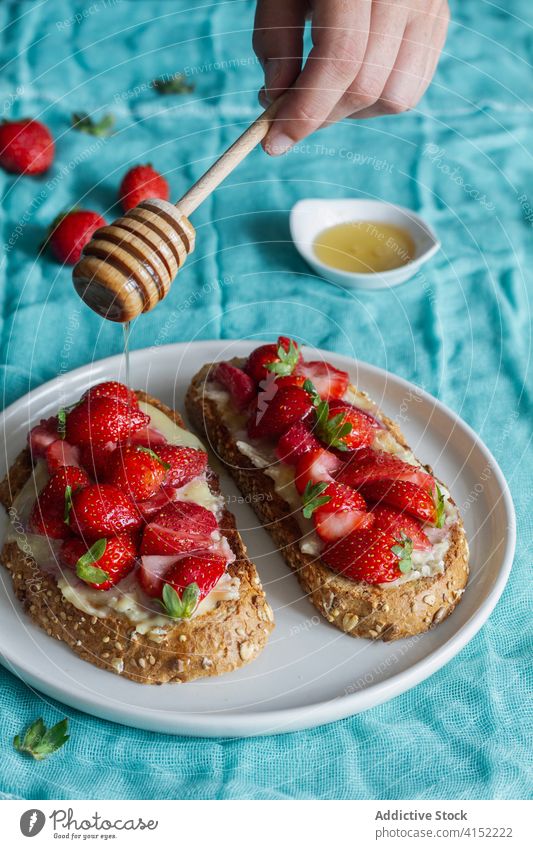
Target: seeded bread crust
[(219, 641), (357, 608)]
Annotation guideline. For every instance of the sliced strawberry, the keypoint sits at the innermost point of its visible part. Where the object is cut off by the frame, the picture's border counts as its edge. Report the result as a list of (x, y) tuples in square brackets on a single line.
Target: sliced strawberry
[(61, 453), (102, 509), (203, 569), (179, 527), (369, 466), (362, 430), (396, 523), (95, 457), (337, 510), (102, 419), (296, 442), (42, 435), (315, 466), (48, 513), (339, 403), (403, 495), (137, 471), (150, 437), (112, 389), (329, 382), (151, 571), (240, 385), (149, 508), (271, 417), (284, 356), (367, 555), (117, 559), (185, 463)]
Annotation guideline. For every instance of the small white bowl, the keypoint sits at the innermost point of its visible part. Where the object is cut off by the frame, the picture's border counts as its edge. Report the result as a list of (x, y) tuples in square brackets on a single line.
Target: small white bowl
[(310, 217)]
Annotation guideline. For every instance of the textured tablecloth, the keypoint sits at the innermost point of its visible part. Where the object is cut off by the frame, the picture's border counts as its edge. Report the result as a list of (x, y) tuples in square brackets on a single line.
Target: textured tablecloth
[(462, 160)]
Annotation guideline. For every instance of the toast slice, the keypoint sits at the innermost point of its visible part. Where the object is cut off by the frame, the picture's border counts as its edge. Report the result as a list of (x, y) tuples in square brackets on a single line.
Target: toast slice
[(230, 634), (376, 611)]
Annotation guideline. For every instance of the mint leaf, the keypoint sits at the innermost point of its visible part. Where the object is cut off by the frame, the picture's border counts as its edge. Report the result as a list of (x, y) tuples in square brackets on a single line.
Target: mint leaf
[(180, 608), (40, 742), (287, 361), (404, 552), (84, 568), (439, 504), (154, 456), (175, 84), (82, 122), (312, 497), (68, 503)]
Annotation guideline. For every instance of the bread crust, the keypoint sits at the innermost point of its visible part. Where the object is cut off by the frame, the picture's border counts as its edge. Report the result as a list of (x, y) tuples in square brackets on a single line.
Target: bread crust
[(357, 608), (215, 642)]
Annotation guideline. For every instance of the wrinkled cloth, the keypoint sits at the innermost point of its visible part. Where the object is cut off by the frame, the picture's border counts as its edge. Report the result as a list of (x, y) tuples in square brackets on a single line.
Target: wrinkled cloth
[(461, 329)]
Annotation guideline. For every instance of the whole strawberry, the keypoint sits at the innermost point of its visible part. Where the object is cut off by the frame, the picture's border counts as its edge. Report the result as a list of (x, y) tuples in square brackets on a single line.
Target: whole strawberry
[(48, 515), (71, 231), (189, 581), (26, 146), (140, 183), (102, 419), (136, 470), (99, 510), (102, 565), (369, 555)]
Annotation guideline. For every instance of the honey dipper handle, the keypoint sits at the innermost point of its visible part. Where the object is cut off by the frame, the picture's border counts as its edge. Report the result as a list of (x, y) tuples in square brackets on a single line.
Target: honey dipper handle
[(229, 160)]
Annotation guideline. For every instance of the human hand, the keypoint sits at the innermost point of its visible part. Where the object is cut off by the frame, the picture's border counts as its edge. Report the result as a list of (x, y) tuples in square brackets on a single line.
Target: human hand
[(369, 58)]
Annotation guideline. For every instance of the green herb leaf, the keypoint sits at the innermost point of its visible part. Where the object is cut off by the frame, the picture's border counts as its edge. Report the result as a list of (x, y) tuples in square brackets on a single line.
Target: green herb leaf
[(68, 503), (175, 84), (439, 504), (82, 122), (287, 361), (332, 430), (40, 742), (84, 568), (404, 551), (62, 422), (154, 456), (312, 497), (180, 608)]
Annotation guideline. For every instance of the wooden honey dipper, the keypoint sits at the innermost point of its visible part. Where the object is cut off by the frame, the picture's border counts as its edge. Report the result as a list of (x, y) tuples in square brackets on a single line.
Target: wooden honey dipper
[(129, 265)]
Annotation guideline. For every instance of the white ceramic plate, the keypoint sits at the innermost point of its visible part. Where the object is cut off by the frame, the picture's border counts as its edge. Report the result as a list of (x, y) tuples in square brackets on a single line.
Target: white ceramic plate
[(309, 673)]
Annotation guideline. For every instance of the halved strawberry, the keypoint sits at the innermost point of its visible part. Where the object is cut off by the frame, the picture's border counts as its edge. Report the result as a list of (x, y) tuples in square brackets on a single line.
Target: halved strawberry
[(61, 453), (114, 556), (101, 419), (179, 527), (151, 571), (149, 436), (368, 555), (280, 359), (296, 442), (112, 389), (42, 435), (361, 432), (48, 513), (337, 510), (315, 466), (404, 495), (271, 417), (137, 471), (102, 509), (240, 385), (329, 382), (152, 506), (394, 522), (203, 569), (367, 466), (185, 463)]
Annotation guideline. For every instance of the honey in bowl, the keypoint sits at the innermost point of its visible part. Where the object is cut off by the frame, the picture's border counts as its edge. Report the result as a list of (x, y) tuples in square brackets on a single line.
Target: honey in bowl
[(364, 247)]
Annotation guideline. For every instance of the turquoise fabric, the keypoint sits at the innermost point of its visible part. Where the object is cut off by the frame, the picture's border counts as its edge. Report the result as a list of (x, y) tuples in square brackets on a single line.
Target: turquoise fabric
[(463, 332)]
